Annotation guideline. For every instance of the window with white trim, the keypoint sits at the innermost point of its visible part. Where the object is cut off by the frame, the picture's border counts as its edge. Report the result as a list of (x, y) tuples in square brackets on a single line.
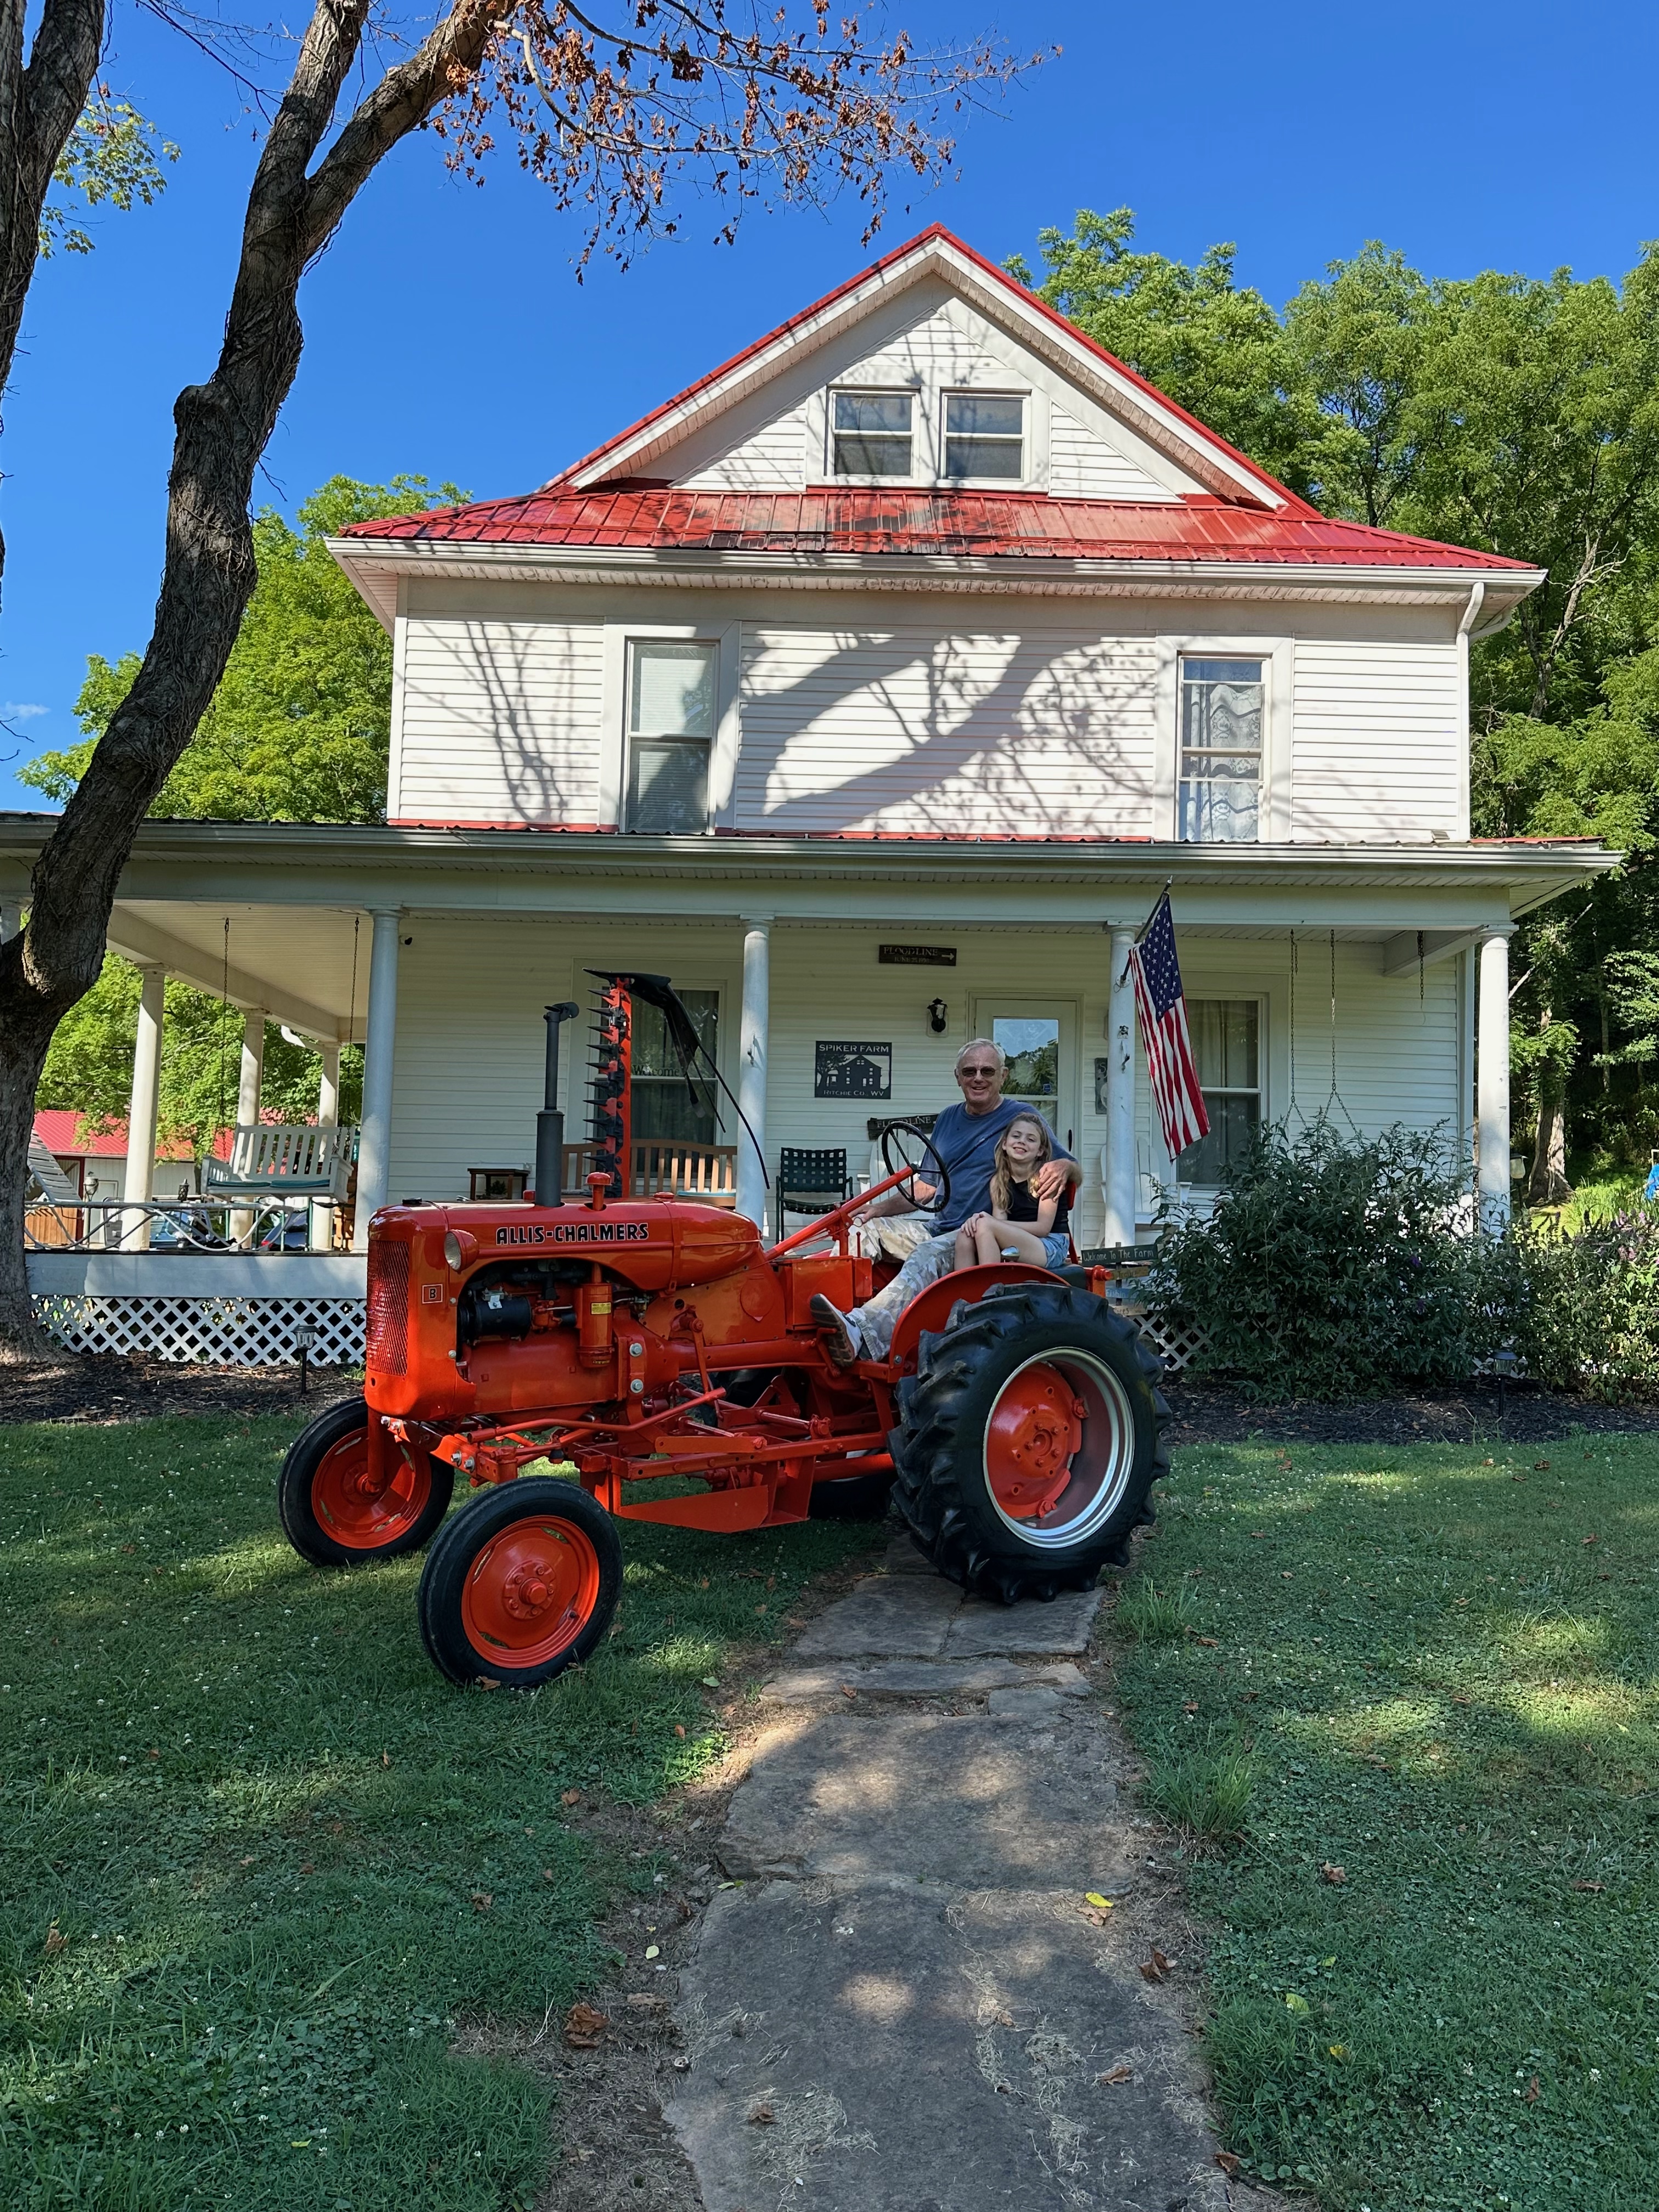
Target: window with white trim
[(870, 433), (1222, 711), (985, 436), (671, 729), (666, 1106), (1226, 1041)]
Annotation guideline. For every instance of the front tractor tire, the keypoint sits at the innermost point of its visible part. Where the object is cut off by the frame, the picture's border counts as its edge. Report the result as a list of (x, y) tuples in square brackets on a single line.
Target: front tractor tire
[(520, 1585), (329, 1511), (1030, 1436)]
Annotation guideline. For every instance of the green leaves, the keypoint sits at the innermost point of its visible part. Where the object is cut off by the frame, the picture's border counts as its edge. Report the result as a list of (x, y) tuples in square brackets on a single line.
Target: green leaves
[(299, 728)]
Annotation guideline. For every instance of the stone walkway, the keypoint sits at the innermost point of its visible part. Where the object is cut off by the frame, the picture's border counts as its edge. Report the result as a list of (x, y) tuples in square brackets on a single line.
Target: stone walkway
[(903, 2001)]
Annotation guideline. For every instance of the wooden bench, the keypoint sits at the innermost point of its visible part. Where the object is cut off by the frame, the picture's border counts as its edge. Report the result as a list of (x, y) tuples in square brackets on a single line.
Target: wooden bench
[(281, 1160)]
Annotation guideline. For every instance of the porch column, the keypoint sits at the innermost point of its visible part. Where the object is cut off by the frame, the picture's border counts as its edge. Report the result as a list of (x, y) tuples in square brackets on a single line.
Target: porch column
[(11, 919), (374, 1145), (249, 1084), (321, 1238), (1492, 1081), (143, 1112), (1118, 1183), (751, 1066)]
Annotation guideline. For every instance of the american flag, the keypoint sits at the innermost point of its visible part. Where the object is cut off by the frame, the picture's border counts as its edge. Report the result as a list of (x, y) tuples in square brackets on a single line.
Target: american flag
[(1163, 1010)]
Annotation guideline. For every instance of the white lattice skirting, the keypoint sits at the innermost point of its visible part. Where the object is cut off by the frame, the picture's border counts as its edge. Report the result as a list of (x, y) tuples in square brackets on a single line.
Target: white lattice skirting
[(211, 1331), (1174, 1346)]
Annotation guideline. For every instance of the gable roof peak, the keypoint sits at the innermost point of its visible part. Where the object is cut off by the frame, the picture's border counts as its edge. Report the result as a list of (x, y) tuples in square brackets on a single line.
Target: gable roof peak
[(936, 250)]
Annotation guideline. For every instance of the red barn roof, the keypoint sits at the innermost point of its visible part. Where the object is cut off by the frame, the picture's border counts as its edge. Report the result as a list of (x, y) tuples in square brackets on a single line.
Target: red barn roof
[(1020, 525)]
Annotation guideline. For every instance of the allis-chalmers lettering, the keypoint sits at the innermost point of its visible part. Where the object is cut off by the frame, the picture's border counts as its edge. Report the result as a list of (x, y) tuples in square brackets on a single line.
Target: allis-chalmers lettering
[(576, 1232)]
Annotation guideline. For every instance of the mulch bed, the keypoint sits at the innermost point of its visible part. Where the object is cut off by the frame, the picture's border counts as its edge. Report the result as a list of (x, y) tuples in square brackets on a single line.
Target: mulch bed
[(109, 1388), (1207, 1413), (105, 1387)]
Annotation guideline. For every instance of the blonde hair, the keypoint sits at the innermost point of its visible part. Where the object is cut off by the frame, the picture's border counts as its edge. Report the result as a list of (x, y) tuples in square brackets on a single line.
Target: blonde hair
[(1002, 1174)]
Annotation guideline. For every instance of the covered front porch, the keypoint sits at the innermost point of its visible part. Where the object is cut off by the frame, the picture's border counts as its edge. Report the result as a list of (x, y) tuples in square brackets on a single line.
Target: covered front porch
[(834, 982)]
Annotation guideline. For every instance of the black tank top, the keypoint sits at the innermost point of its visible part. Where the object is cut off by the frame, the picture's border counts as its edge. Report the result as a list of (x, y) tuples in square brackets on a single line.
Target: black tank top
[(1023, 1206)]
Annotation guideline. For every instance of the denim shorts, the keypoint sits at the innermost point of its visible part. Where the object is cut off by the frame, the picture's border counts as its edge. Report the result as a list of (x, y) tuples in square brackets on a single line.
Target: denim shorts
[(1057, 1250)]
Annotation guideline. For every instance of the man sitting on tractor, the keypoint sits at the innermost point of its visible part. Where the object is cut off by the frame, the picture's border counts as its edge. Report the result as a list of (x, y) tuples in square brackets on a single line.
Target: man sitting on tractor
[(965, 1139)]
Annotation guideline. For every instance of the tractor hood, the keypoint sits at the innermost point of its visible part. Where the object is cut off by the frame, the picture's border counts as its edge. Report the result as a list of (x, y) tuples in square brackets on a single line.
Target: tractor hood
[(651, 1242)]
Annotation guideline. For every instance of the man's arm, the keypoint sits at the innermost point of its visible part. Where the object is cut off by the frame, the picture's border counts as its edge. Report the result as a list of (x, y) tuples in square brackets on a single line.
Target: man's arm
[(896, 1202), (1052, 1176)]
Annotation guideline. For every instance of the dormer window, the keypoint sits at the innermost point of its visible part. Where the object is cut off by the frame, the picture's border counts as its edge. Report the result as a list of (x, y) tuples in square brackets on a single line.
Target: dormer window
[(870, 433), (985, 436)]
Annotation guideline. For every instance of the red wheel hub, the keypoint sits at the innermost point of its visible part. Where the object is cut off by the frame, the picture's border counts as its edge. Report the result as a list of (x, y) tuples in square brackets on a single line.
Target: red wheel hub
[(357, 1511), (1036, 1431), (530, 1592)]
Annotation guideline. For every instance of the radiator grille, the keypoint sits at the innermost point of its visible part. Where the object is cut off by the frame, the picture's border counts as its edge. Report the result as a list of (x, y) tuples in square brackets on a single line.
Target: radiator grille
[(387, 1346)]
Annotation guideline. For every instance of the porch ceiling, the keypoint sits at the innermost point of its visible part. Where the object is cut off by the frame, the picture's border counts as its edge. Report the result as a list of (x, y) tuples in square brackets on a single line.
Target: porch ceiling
[(295, 962)]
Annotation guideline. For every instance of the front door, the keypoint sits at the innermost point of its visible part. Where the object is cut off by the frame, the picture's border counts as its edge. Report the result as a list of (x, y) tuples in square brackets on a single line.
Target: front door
[(1040, 1038)]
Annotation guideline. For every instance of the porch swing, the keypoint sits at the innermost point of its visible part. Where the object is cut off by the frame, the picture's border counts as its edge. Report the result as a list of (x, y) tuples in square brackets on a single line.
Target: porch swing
[(279, 1161), (1333, 1097)]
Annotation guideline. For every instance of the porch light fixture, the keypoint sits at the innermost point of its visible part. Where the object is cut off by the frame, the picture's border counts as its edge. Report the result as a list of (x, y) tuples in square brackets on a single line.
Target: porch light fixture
[(938, 1015)]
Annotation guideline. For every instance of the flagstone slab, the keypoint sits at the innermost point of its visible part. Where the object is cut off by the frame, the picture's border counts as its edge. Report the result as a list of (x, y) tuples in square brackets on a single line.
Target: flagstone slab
[(902, 2049), (884, 1617), (982, 1630), (972, 1802)]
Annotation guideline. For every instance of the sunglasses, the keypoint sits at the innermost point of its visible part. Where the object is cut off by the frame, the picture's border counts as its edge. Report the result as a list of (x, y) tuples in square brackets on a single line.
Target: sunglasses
[(978, 1070)]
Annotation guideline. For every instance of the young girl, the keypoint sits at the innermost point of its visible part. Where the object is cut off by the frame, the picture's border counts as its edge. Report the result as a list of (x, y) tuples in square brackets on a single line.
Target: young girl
[(1020, 1225)]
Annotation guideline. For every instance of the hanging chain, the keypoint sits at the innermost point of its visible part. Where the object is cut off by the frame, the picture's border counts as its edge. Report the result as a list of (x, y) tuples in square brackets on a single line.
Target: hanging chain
[(1333, 1014)]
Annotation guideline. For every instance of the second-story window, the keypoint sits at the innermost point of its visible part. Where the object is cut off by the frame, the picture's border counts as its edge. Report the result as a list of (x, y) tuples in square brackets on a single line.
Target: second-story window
[(1221, 709), (985, 434), (671, 727), (870, 433)]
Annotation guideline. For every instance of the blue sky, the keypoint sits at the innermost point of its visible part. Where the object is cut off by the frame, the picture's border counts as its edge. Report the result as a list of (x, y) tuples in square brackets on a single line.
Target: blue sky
[(446, 335)]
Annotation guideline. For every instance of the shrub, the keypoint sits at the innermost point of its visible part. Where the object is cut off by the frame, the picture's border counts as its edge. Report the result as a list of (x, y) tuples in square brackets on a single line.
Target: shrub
[(1334, 1267), (1586, 1308)]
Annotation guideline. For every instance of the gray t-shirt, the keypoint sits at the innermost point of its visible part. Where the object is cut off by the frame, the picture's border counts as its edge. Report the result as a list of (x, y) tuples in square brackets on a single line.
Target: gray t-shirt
[(967, 1143)]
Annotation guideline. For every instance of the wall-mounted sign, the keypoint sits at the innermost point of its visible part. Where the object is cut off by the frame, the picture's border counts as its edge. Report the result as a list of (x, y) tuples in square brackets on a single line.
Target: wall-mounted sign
[(916, 956), (1103, 1084), (853, 1071)]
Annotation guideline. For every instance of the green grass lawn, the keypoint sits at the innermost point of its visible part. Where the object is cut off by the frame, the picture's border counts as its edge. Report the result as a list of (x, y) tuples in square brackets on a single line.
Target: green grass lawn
[(1438, 1667), (257, 1859)]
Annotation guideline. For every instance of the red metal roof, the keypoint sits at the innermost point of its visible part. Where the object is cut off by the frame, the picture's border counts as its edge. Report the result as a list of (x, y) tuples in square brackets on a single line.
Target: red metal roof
[(1026, 525), (69, 1134)]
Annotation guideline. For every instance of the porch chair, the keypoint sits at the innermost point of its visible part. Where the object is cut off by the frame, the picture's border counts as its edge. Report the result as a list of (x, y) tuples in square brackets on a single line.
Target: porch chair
[(810, 1182)]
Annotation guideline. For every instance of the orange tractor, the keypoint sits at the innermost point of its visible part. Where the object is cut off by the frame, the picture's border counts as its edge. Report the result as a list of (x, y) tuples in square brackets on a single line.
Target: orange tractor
[(658, 1347)]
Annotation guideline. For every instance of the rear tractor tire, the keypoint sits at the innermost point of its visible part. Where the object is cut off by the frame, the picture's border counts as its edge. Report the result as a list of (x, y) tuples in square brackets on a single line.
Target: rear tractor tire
[(520, 1585), (1030, 1436), (327, 1511)]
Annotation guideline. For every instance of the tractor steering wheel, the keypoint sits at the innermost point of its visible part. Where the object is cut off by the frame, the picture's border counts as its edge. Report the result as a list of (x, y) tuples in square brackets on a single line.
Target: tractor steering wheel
[(909, 1151)]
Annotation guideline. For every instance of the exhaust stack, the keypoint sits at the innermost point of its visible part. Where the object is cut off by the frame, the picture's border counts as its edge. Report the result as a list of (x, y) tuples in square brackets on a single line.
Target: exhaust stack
[(550, 1122)]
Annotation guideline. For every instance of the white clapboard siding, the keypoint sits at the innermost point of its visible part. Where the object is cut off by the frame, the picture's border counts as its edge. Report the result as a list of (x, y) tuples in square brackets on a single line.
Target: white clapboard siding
[(1378, 742), (772, 459), (470, 993), (1041, 733), (500, 721), (1083, 467)]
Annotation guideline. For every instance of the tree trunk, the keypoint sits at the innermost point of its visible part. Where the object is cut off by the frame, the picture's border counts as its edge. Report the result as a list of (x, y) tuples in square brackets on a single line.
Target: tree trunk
[(1547, 1183), (39, 106), (207, 572)]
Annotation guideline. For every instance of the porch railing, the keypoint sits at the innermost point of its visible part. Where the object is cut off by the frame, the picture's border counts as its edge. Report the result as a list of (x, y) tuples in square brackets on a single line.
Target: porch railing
[(193, 1225), (706, 1172)]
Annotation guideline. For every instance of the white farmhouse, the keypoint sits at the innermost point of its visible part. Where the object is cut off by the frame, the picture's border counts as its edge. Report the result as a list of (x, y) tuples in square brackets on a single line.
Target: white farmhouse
[(871, 689)]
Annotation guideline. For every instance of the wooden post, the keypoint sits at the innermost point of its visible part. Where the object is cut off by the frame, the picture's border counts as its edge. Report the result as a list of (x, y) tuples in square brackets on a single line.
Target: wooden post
[(321, 1238), (249, 1084), (374, 1145), (751, 1067), (1493, 1081), (143, 1113), (1118, 1182)]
